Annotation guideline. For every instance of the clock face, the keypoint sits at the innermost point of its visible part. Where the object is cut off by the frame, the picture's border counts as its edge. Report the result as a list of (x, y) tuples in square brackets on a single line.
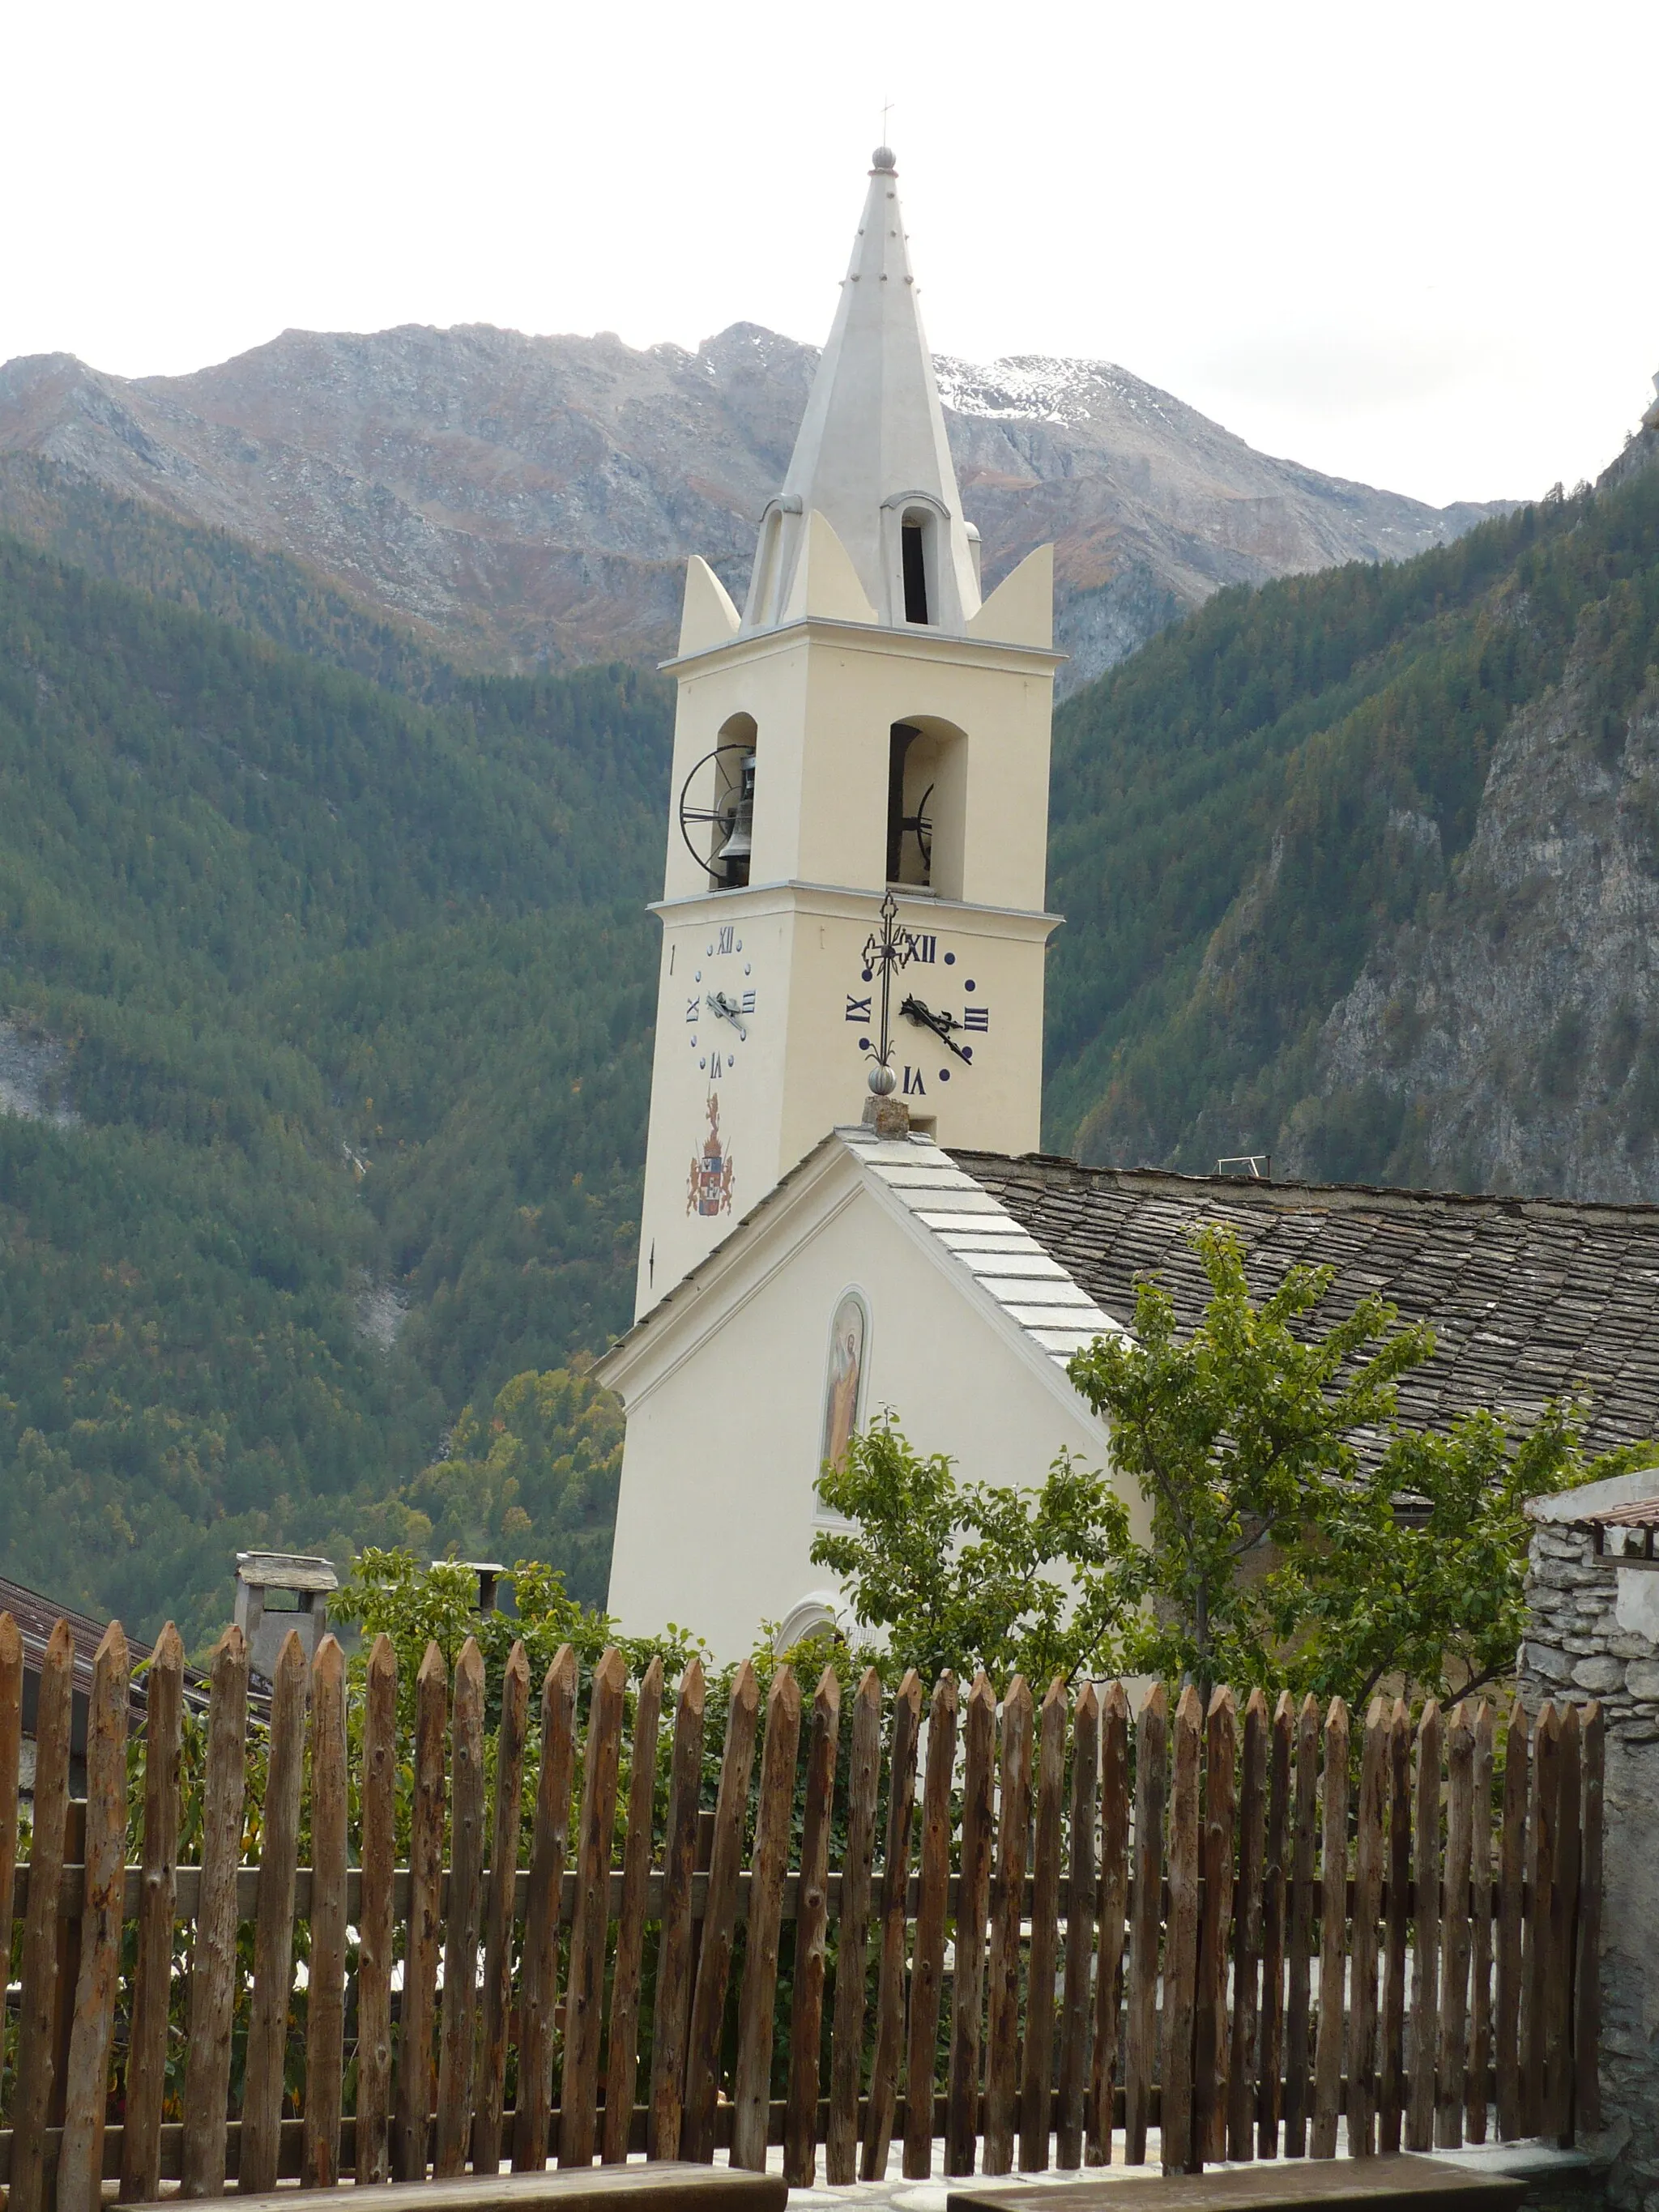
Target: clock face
[(719, 999), (937, 1014)]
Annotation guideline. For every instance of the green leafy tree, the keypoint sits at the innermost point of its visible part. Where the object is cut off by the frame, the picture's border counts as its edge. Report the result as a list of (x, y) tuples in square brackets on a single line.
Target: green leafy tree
[(545, 1459), (416, 1603), (1278, 1552), (1237, 1435), (1417, 1569), (969, 1575)]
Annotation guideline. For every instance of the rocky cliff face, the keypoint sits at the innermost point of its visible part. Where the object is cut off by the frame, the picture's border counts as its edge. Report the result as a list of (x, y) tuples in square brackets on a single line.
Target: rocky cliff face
[(530, 500), (1510, 1032)]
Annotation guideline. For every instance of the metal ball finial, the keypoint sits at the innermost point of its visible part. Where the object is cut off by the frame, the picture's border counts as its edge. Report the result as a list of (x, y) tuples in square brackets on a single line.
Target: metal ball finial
[(884, 158), (883, 1081)]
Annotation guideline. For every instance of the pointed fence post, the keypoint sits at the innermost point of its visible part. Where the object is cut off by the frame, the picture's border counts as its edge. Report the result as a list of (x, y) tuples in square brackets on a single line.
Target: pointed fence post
[(32, 2089), (497, 1998), (1181, 2150), (891, 1924), (1511, 1887), (846, 2039), (152, 1983), (973, 1908), (1242, 2081), (800, 2127), (1480, 2067), (11, 1744), (1298, 2040), (671, 2025), (1426, 1958), (585, 1991), (703, 2072), (538, 1978), (378, 1850), (1037, 2057), (1145, 1923), (1007, 1911), (319, 2155), (1212, 2055), (1110, 1987), (622, 2062), (1453, 2057), (81, 2157), (751, 2084), (213, 1956), (1082, 1875), (411, 2124), (1333, 1931), (1367, 1908), (1274, 1895), (273, 1926), (927, 1973)]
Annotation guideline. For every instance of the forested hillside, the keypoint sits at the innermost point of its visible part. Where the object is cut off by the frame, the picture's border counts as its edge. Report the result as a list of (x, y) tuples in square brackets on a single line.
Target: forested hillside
[(1266, 797), (323, 1005)]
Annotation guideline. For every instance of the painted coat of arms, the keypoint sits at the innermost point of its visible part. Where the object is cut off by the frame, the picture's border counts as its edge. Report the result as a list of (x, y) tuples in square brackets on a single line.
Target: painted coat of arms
[(708, 1188)]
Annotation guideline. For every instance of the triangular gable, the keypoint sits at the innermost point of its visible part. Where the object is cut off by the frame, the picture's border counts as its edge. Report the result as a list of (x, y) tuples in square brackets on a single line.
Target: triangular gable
[(998, 1266)]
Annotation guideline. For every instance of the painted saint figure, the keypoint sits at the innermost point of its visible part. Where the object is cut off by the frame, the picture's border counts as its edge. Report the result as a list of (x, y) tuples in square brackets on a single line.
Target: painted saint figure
[(841, 1396)]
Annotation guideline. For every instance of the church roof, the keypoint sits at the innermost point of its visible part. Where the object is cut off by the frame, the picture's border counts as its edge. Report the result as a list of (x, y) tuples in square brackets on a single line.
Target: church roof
[(1528, 1298), (1001, 1258)]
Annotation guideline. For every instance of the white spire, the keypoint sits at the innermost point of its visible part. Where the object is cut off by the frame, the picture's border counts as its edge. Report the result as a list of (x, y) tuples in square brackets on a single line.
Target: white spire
[(871, 456)]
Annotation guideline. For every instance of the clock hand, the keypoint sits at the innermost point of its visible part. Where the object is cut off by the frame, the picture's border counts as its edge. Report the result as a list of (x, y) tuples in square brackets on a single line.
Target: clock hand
[(941, 1024), (728, 1011)]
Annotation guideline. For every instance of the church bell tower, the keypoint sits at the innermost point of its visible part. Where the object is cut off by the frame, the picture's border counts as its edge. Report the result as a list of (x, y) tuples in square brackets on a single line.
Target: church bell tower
[(866, 724)]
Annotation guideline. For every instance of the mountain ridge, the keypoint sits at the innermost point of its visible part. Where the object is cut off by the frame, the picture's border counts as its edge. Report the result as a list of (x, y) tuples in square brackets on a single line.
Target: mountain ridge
[(526, 502)]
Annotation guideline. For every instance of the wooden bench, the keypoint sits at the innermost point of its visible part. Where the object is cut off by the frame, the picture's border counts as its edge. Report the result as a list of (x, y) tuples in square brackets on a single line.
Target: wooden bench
[(663, 2188), (1404, 2183)]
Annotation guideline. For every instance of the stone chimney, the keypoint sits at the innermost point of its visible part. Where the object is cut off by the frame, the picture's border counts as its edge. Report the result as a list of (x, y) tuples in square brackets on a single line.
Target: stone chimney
[(276, 1591)]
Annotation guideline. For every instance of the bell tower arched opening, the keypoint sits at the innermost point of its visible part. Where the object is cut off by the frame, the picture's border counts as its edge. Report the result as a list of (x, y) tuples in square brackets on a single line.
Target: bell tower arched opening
[(717, 806), (926, 805)]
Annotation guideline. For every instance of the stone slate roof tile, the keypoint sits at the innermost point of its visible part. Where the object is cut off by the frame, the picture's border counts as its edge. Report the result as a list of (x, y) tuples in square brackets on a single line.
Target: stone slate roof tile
[(1528, 1298)]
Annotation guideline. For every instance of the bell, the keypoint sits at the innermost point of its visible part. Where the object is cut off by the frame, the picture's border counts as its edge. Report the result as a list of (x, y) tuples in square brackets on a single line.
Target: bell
[(735, 854)]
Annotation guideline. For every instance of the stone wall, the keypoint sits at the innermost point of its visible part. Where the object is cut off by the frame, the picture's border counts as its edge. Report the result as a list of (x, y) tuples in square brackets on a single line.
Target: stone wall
[(1593, 1631)]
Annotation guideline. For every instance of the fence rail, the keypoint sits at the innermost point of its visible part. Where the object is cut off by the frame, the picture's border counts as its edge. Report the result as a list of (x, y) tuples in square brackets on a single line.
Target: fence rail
[(1025, 1930)]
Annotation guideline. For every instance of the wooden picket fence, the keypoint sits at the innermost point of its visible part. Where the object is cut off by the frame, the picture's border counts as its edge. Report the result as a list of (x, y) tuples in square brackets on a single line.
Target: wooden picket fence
[(1193, 1922)]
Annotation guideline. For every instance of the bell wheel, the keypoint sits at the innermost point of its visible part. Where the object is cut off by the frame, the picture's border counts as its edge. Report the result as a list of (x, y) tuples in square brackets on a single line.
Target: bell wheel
[(720, 816)]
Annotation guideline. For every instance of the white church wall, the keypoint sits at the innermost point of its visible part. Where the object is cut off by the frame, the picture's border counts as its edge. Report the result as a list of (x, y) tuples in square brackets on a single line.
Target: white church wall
[(724, 1425)]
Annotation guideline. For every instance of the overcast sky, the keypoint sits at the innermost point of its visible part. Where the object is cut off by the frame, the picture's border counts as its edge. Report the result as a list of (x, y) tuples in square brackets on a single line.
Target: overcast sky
[(1415, 244)]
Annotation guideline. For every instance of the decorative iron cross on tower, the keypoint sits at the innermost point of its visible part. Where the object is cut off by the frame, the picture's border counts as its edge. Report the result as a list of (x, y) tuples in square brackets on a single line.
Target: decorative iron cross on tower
[(894, 948)]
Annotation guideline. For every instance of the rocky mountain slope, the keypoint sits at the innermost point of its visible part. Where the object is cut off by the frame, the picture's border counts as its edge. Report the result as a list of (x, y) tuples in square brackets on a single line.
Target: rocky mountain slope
[(1507, 1037), (1362, 869), (528, 501)]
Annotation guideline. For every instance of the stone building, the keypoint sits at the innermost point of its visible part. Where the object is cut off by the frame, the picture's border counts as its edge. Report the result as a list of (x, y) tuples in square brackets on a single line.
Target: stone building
[(1593, 1632)]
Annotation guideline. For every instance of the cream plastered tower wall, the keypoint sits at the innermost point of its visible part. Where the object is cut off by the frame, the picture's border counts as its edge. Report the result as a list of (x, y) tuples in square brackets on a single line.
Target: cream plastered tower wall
[(767, 1022)]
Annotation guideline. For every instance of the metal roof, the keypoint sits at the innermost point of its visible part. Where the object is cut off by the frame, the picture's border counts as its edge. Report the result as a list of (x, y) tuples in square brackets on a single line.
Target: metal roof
[(37, 1615)]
